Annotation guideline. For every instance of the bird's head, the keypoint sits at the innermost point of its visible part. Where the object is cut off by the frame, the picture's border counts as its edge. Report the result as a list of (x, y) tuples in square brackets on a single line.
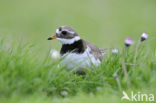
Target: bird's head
[(66, 35)]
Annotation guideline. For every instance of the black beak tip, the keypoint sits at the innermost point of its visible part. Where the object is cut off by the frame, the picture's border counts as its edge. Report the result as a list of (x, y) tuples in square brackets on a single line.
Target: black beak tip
[(49, 38)]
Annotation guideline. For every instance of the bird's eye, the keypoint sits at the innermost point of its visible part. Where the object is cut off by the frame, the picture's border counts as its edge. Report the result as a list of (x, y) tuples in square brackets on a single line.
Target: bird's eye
[(64, 32)]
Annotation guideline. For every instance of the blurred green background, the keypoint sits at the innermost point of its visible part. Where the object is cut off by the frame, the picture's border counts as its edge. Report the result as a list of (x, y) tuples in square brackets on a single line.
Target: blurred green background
[(104, 22)]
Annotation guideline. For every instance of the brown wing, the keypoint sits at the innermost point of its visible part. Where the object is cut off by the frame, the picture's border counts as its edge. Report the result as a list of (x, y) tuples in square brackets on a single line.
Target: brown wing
[(94, 50), (104, 51)]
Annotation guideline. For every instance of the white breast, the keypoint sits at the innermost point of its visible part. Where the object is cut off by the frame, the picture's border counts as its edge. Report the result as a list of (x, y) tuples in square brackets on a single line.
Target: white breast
[(74, 60)]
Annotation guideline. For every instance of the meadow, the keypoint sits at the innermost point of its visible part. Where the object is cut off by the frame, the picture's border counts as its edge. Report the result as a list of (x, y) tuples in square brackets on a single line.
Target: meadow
[(28, 74)]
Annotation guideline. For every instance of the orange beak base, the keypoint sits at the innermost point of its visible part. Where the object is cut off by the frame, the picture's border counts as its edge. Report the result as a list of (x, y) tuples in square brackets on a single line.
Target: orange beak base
[(53, 37)]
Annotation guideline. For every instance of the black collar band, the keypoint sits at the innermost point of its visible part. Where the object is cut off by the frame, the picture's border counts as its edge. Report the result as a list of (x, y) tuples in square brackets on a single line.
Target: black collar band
[(76, 47)]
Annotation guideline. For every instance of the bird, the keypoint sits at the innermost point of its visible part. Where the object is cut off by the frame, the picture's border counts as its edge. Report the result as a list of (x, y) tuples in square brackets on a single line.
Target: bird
[(75, 52)]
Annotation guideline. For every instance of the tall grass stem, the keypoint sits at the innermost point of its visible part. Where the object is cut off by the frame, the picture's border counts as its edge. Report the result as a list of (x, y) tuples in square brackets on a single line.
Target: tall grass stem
[(136, 52), (124, 66)]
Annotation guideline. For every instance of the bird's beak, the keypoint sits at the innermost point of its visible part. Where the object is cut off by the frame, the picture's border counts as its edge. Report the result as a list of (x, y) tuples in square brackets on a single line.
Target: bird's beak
[(53, 37)]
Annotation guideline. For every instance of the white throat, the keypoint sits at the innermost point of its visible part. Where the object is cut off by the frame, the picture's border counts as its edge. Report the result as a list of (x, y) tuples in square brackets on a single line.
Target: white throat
[(68, 41)]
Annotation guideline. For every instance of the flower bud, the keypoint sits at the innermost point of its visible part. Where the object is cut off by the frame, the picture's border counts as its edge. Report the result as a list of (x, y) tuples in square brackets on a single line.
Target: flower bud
[(54, 54), (115, 51), (144, 36), (128, 42)]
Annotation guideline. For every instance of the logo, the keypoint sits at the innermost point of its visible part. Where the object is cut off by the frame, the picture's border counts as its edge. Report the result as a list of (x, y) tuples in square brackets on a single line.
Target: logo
[(137, 96)]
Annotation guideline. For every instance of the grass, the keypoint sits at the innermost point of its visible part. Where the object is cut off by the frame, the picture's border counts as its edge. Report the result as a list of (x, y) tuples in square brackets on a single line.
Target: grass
[(23, 74)]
